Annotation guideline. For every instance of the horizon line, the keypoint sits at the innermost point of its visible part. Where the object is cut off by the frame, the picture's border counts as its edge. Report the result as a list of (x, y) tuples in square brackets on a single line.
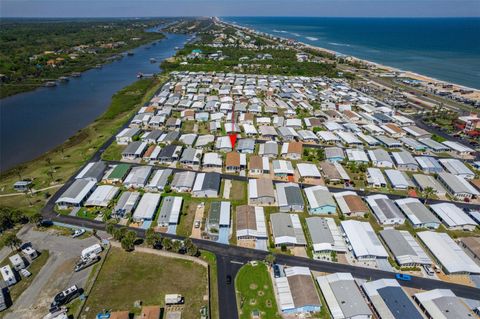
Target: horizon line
[(241, 16)]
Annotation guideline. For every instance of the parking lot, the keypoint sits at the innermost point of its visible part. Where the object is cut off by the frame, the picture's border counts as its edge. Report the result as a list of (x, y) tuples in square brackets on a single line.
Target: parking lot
[(56, 275)]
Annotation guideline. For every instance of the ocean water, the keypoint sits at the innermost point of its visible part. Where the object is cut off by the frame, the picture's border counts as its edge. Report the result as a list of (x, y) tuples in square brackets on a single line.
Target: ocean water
[(443, 48)]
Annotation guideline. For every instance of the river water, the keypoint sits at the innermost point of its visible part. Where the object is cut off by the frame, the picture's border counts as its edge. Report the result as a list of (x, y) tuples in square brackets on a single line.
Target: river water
[(34, 122)]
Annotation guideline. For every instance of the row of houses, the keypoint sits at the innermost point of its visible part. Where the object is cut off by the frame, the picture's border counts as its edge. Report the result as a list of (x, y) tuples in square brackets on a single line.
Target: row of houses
[(347, 297)]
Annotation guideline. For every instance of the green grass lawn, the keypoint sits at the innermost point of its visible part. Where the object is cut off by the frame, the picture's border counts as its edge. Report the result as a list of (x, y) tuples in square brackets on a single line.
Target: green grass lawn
[(113, 152), (128, 277), (255, 292), (238, 192), (187, 126), (87, 213)]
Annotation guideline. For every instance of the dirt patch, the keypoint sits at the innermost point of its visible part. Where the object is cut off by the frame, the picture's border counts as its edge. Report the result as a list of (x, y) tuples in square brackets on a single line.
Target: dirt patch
[(253, 286)]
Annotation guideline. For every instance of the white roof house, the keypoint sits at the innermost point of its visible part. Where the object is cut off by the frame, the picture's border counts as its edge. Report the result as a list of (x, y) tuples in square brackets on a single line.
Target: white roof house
[(287, 230), (458, 148), (404, 248), (457, 186), (453, 217), (102, 196), (375, 177), (398, 179), (249, 129), (361, 239), (308, 170), (325, 235), (282, 167), (146, 207), (456, 167), (76, 193), (223, 143), (320, 200), (343, 298), (348, 138), (385, 210), (380, 158), (8, 275), (451, 256), (138, 176), (328, 136), (417, 213), (170, 211), (357, 155), (212, 160), (442, 304)]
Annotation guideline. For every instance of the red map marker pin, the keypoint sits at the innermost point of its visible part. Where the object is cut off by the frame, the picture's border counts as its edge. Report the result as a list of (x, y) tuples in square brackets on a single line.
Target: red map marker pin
[(233, 139)]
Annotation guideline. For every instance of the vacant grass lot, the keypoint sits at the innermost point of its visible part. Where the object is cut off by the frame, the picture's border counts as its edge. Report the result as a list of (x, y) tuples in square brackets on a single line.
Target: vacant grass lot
[(127, 277), (238, 192), (255, 292)]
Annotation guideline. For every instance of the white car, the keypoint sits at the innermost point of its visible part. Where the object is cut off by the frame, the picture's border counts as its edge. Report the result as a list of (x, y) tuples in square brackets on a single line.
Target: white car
[(78, 233)]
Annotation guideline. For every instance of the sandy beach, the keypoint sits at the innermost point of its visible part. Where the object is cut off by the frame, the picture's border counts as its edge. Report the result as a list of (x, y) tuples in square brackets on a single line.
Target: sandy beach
[(440, 84)]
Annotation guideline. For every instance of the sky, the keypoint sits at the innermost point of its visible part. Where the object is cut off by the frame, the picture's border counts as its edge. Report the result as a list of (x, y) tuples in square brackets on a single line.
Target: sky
[(327, 8)]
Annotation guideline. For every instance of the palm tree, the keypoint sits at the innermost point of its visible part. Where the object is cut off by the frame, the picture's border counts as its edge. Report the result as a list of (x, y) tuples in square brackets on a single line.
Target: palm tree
[(428, 192), (270, 259), (167, 243), (128, 241), (150, 237), (176, 246)]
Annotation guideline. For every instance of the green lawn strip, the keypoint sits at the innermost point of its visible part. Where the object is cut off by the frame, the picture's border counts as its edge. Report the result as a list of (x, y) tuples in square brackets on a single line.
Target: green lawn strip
[(130, 276), (255, 292), (211, 259), (113, 152)]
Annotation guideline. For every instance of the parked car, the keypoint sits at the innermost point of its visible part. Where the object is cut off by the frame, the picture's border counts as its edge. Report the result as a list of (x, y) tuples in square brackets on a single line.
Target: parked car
[(276, 271), (403, 277), (197, 224), (64, 297), (229, 279), (428, 269), (78, 232)]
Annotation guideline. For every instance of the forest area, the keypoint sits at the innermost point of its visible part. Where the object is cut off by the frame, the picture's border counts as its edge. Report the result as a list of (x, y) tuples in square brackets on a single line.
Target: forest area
[(35, 51)]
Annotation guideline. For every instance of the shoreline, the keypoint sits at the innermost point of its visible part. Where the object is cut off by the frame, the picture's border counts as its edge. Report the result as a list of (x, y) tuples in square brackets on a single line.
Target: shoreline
[(405, 73), (114, 56)]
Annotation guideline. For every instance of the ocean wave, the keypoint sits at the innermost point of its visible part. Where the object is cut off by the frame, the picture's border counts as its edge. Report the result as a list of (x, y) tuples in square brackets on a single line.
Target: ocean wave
[(311, 38), (296, 34), (339, 44)]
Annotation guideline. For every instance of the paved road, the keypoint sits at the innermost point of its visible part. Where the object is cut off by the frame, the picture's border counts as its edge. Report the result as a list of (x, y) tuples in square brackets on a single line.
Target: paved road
[(226, 292)]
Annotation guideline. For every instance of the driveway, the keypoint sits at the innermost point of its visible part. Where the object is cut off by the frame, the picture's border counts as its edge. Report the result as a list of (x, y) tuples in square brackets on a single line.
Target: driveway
[(56, 275)]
